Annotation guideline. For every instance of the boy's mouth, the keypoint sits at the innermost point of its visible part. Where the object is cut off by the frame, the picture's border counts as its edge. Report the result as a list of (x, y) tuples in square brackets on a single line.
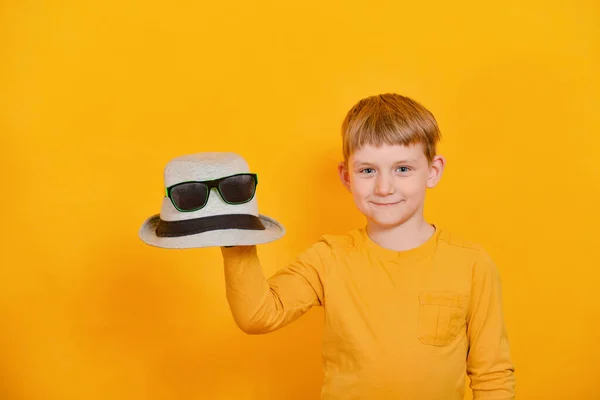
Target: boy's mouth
[(386, 204)]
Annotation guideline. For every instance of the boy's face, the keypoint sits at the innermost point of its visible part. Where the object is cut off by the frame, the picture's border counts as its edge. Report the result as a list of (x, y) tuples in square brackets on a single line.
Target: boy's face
[(389, 183)]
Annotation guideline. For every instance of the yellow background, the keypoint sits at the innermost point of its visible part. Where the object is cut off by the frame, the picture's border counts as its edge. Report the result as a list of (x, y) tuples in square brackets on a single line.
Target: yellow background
[(96, 97)]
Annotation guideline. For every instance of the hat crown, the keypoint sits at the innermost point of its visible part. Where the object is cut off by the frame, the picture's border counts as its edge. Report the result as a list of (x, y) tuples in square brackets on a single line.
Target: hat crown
[(203, 167)]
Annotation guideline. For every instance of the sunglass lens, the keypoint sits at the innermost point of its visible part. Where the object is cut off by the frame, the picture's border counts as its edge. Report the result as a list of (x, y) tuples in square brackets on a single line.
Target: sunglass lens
[(189, 196), (238, 189)]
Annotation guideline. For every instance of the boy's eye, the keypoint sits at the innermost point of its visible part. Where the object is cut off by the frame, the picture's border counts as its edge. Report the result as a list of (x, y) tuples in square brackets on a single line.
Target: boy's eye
[(367, 171), (403, 169)]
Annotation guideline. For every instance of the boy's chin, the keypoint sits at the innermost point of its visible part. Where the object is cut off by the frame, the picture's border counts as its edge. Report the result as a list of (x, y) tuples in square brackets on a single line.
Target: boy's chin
[(385, 223)]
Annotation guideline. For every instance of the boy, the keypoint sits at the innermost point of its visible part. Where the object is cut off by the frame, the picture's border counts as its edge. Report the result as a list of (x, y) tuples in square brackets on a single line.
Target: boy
[(408, 306)]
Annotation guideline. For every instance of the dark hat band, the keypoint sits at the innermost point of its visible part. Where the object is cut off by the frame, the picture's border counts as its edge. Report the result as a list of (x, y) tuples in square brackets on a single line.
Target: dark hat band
[(215, 222)]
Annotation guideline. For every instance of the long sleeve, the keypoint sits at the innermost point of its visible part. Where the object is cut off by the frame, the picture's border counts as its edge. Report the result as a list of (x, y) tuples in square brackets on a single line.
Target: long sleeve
[(261, 305), (488, 363)]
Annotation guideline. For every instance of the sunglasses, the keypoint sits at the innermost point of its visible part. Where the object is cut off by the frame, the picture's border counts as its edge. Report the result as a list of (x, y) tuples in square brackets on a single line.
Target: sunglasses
[(193, 195)]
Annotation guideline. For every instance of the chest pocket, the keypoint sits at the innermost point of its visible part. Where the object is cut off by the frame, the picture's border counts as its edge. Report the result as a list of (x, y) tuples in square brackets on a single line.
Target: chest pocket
[(441, 317)]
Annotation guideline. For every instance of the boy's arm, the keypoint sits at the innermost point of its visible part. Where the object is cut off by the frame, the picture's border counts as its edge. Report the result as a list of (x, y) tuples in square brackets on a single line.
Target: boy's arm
[(488, 362), (259, 305)]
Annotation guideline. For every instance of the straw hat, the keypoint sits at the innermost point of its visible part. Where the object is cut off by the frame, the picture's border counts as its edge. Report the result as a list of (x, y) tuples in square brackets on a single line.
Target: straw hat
[(217, 223)]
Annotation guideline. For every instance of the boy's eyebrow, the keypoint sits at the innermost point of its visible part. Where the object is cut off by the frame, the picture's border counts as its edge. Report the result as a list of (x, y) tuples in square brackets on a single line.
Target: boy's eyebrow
[(405, 161)]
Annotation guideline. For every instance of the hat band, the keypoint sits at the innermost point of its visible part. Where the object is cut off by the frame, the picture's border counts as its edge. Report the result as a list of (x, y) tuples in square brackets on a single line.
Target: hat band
[(205, 224)]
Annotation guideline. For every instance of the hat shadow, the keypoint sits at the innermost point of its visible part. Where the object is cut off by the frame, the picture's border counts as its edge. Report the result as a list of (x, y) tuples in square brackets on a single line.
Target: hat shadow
[(156, 322)]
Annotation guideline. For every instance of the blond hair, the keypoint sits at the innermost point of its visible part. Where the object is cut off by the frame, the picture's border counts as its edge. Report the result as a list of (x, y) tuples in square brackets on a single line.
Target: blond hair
[(389, 119)]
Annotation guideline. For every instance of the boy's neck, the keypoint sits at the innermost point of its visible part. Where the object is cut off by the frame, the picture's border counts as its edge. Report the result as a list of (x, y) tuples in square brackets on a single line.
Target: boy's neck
[(409, 235)]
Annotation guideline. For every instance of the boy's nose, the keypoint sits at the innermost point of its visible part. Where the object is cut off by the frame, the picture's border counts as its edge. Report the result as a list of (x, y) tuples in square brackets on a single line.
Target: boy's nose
[(383, 186)]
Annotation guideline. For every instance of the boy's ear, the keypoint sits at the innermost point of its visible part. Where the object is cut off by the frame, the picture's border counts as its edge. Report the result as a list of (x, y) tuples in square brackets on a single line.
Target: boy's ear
[(344, 175), (436, 169)]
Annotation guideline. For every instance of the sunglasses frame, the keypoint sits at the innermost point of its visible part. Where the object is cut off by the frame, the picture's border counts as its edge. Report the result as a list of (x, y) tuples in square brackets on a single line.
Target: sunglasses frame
[(213, 183)]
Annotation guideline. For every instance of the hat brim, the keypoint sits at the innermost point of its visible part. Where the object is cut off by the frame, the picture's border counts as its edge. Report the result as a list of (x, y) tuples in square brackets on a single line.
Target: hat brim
[(214, 238)]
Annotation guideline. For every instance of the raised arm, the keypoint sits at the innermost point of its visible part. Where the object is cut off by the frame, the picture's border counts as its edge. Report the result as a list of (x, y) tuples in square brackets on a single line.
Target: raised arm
[(261, 305)]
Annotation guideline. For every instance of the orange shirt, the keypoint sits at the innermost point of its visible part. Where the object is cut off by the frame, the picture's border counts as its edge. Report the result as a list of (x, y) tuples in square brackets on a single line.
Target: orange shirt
[(398, 325)]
